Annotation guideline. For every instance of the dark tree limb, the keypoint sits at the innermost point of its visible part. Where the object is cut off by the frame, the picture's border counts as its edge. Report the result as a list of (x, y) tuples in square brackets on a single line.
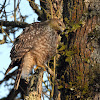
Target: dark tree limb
[(7, 77), (34, 90), (12, 95), (13, 24), (35, 7)]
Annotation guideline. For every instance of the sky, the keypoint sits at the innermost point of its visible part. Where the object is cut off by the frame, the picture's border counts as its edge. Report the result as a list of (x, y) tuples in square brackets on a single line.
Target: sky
[(5, 48)]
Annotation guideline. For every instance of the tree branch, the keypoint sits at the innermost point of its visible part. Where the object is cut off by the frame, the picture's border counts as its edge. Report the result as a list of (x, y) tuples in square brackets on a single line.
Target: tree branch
[(13, 24), (7, 77), (39, 12), (3, 6), (34, 89), (35, 7)]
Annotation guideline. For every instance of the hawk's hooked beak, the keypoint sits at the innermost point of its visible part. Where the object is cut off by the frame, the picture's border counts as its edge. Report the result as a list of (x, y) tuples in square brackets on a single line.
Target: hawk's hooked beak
[(62, 28), (65, 30)]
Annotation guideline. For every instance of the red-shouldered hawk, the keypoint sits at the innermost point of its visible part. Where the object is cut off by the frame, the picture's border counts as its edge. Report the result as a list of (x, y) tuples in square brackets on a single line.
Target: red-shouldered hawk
[(35, 46)]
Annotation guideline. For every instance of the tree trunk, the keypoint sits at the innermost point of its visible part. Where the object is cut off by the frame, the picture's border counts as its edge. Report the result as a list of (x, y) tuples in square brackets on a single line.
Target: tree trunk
[(34, 91), (74, 70), (84, 41)]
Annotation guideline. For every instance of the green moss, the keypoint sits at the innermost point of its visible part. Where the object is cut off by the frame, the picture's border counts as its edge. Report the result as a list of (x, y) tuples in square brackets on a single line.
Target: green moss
[(60, 87)]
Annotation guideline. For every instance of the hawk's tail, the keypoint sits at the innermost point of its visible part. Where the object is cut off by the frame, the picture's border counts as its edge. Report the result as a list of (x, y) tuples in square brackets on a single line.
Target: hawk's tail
[(18, 78), (10, 67)]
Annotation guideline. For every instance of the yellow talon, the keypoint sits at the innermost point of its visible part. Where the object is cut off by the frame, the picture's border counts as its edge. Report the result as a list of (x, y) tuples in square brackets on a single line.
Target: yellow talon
[(38, 67), (35, 68)]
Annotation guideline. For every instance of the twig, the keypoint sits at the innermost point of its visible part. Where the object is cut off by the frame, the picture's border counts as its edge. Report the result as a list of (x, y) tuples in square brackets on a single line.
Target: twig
[(52, 93), (14, 10), (51, 8), (49, 70), (46, 85), (6, 33), (3, 6)]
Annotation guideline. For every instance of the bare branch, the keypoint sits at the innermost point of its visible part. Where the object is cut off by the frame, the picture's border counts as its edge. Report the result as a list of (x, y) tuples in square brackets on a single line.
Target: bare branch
[(39, 12), (35, 7), (3, 6), (7, 77), (13, 24), (6, 34)]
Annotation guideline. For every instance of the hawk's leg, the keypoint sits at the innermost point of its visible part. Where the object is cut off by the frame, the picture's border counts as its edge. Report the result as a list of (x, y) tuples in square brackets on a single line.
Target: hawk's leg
[(38, 66), (46, 68)]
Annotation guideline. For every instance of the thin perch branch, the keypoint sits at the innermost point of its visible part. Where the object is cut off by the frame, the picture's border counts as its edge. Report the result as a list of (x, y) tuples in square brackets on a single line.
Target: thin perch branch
[(6, 34), (13, 24)]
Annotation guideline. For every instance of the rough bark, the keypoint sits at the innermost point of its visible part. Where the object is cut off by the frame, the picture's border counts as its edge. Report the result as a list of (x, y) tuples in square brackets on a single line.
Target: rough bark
[(34, 90), (77, 72), (79, 68)]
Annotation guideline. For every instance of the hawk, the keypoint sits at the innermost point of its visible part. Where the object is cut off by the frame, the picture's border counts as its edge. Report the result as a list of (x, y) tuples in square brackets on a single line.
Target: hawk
[(35, 46)]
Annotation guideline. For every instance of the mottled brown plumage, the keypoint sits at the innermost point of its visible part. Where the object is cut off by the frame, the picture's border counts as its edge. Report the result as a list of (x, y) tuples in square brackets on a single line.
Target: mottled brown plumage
[(35, 46)]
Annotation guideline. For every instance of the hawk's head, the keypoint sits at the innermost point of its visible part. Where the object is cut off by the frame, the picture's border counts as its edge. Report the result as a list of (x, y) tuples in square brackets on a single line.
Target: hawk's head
[(57, 25)]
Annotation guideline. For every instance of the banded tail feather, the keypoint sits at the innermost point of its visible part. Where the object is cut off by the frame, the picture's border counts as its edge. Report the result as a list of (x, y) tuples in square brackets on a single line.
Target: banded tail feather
[(12, 65), (18, 78)]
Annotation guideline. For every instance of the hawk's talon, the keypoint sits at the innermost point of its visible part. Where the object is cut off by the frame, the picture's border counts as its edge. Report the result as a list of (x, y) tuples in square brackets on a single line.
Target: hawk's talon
[(39, 67)]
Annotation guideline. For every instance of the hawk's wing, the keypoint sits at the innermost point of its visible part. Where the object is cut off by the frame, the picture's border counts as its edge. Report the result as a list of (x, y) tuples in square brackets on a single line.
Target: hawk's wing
[(24, 43)]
